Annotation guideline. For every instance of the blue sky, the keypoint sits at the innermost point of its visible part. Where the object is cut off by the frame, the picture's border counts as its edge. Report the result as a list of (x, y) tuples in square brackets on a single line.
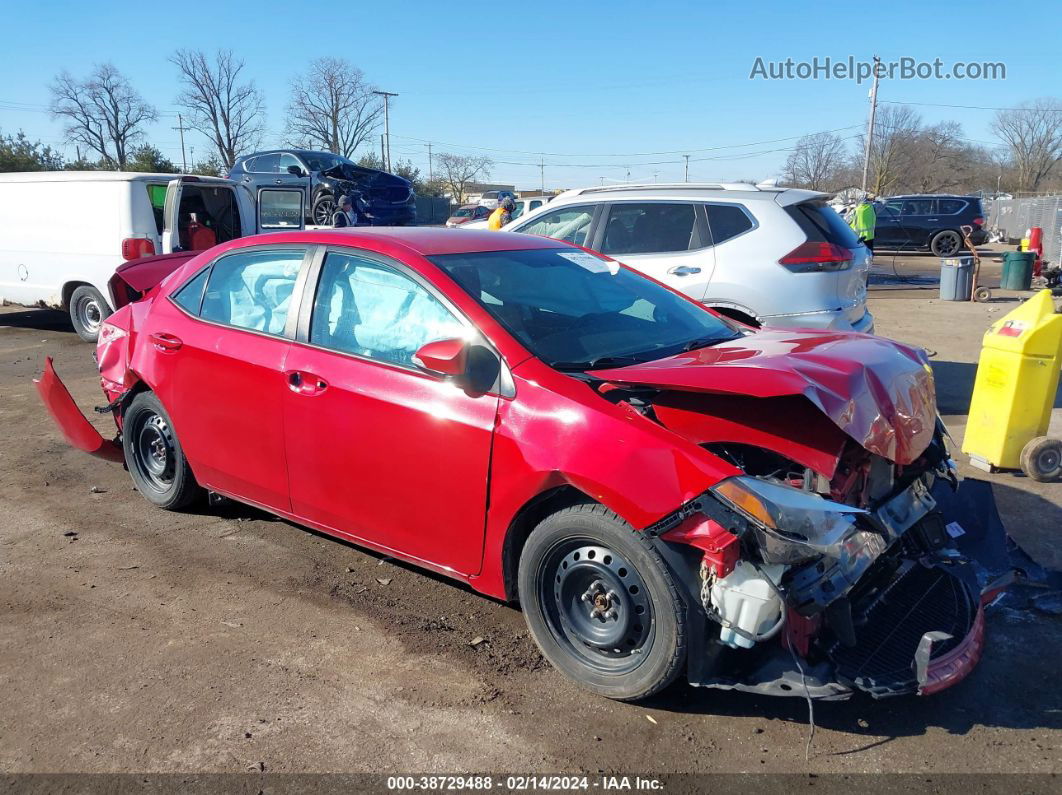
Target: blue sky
[(577, 81)]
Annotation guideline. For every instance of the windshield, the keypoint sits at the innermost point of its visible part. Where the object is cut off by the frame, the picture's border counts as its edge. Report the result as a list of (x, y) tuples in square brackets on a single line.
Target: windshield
[(322, 161), (577, 311)]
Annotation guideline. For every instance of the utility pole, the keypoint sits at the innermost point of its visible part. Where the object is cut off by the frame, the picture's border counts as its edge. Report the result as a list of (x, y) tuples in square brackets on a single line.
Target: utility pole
[(431, 175), (687, 179), (383, 154), (542, 175), (387, 125), (191, 150), (870, 126), (181, 128)]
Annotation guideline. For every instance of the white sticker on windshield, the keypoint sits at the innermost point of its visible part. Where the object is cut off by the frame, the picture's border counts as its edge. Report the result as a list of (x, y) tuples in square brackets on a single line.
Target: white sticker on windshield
[(590, 262)]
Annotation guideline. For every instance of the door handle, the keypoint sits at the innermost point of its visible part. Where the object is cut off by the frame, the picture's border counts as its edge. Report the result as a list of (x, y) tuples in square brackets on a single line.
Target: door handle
[(278, 182), (167, 343), (684, 270), (306, 383)]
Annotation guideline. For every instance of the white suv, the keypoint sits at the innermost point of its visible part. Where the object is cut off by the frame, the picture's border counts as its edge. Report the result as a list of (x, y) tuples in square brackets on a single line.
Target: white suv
[(765, 256)]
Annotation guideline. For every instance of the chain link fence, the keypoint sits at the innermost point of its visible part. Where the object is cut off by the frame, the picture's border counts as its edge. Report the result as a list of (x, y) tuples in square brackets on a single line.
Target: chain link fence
[(1013, 217)]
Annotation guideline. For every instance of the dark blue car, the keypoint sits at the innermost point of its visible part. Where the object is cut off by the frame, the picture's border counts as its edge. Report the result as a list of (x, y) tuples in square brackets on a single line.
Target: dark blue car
[(381, 199)]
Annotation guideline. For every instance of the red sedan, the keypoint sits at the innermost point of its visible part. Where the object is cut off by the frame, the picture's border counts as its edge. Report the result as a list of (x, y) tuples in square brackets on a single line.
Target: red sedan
[(664, 491)]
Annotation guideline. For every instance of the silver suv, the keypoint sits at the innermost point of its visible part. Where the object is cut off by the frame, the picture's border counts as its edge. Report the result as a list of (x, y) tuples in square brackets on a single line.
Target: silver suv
[(765, 256)]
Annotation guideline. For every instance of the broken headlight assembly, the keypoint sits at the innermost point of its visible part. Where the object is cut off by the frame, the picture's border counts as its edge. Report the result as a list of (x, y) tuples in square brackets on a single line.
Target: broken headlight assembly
[(793, 526)]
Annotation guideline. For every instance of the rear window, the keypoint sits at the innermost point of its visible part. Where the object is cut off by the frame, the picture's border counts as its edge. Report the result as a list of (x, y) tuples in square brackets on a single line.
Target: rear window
[(821, 224), (950, 206)]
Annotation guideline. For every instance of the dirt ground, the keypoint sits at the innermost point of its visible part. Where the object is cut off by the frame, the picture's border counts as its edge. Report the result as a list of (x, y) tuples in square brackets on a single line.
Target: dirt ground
[(132, 639)]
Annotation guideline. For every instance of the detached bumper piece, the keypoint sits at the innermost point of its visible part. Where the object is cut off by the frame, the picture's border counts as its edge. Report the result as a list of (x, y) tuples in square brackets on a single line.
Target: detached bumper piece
[(922, 633), (77, 430)]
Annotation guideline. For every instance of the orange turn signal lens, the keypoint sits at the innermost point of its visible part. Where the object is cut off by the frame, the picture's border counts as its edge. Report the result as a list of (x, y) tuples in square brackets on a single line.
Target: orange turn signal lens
[(741, 498)]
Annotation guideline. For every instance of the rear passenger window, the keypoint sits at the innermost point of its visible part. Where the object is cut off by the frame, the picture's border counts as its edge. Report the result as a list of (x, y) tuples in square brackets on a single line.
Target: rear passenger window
[(726, 221), (371, 310), (264, 164), (252, 290), (918, 207), (648, 228), (950, 206), (567, 223), (190, 297)]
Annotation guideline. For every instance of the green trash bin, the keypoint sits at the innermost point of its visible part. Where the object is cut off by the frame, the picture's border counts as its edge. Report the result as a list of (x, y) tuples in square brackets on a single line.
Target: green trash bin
[(1017, 270)]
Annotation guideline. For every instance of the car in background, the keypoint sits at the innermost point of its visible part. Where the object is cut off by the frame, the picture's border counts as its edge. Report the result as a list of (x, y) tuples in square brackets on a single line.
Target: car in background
[(526, 205), (492, 198), (468, 213), (121, 216), (665, 492), (385, 199), (764, 256), (930, 222)]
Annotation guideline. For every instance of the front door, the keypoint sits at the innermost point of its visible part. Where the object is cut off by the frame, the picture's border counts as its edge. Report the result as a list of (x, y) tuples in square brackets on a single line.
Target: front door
[(221, 346), (887, 229), (379, 449)]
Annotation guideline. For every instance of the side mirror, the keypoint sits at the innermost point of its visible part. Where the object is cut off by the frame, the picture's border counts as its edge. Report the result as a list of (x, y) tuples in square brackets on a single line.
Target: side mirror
[(446, 357), (295, 171)]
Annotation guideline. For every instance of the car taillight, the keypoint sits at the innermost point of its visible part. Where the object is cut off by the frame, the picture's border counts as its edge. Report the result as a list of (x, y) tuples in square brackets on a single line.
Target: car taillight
[(137, 247), (978, 221), (811, 257)]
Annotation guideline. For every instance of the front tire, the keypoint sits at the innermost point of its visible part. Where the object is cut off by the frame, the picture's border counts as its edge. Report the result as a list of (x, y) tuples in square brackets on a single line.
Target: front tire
[(323, 209), (88, 310), (946, 243), (154, 456), (602, 604)]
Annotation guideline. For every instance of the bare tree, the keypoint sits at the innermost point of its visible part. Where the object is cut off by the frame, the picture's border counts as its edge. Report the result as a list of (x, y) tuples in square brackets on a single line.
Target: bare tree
[(103, 113), (458, 171), (891, 153), (332, 106), (816, 161), (1034, 136), (228, 111)]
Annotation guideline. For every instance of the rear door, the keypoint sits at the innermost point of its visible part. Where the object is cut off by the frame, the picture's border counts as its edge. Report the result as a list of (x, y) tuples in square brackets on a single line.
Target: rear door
[(918, 217), (221, 342)]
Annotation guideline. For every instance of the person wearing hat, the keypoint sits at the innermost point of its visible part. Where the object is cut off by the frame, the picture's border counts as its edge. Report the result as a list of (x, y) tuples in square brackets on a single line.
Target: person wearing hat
[(345, 214), (502, 215)]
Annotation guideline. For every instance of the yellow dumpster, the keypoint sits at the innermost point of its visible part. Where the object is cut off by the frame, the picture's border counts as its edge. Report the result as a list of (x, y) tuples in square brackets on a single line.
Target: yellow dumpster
[(1014, 392)]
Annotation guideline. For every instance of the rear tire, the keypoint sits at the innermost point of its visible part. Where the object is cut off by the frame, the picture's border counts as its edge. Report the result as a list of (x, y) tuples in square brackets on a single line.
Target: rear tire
[(88, 309), (946, 243), (602, 604), (154, 457)]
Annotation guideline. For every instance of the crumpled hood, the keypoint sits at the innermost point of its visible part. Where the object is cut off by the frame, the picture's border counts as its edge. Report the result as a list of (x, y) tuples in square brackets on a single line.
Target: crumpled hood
[(877, 391)]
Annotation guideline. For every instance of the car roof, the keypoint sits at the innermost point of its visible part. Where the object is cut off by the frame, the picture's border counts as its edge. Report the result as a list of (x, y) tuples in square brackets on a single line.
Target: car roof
[(289, 150), (425, 241), (931, 196), (692, 191)]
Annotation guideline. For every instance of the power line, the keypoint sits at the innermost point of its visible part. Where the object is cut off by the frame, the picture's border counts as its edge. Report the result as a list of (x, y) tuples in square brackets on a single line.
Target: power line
[(630, 154), (968, 107)]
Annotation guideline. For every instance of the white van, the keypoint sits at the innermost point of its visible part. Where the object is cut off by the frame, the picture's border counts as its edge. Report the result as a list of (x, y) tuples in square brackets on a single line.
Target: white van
[(63, 233)]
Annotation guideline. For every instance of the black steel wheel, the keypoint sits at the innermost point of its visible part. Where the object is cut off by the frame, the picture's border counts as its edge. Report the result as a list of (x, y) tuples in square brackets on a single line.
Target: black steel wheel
[(946, 243), (602, 604), (88, 310), (323, 210), (1041, 459), (154, 457)]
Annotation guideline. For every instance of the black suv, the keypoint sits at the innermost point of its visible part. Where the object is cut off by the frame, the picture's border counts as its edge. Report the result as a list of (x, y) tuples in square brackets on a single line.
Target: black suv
[(929, 222), (381, 199)]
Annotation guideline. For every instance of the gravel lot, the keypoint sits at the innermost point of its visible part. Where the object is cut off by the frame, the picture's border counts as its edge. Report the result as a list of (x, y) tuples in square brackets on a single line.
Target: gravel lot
[(137, 640)]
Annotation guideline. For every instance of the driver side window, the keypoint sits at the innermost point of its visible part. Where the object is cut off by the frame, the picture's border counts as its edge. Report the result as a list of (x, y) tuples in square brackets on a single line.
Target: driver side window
[(565, 223), (368, 309)]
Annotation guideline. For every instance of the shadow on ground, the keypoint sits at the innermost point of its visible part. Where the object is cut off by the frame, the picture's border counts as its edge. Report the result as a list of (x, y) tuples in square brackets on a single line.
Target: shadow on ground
[(38, 319)]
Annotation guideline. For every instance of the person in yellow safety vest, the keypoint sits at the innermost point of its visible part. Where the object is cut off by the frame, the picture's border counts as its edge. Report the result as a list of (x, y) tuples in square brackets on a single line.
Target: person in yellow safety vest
[(503, 215), (864, 219)]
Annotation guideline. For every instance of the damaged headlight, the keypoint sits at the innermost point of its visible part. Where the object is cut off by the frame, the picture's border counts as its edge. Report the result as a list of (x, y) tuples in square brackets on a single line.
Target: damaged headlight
[(794, 526)]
